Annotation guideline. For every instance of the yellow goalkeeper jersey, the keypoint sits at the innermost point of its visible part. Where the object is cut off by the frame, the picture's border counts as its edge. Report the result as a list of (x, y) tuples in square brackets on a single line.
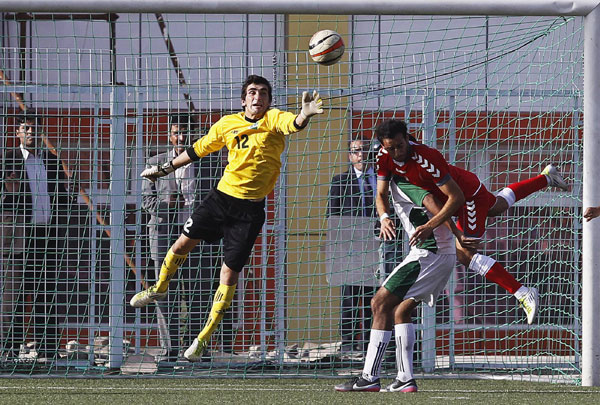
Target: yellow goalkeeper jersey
[(255, 149)]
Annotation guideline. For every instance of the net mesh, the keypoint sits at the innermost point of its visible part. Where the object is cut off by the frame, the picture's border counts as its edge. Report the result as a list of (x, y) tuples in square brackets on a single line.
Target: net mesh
[(498, 96)]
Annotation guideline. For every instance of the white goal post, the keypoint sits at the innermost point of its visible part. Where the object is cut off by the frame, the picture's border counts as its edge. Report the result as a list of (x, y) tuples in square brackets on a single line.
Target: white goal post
[(590, 353)]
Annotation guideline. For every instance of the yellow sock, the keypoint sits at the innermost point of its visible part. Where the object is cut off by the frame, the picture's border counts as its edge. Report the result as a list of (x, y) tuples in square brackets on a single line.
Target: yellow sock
[(222, 301), (170, 265)]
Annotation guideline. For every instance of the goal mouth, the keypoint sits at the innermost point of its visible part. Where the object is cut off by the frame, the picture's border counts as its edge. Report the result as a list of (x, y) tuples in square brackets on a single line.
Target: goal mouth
[(498, 91)]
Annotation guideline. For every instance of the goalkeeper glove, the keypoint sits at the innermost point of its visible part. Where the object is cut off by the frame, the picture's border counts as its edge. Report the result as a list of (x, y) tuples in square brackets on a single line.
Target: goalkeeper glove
[(311, 104), (154, 172)]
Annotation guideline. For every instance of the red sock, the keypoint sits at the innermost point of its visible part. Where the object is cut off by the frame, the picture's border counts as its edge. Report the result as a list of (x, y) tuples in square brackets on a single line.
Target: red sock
[(523, 188), (498, 274)]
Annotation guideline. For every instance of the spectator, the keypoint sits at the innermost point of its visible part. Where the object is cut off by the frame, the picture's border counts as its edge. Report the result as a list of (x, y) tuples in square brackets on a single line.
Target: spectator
[(169, 201), (36, 202), (352, 193)]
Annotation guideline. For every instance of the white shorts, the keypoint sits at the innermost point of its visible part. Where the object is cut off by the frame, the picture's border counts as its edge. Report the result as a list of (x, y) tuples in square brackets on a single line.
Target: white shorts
[(422, 275)]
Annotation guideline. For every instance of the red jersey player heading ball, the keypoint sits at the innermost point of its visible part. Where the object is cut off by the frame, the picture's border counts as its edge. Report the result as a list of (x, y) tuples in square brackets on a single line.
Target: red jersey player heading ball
[(462, 195)]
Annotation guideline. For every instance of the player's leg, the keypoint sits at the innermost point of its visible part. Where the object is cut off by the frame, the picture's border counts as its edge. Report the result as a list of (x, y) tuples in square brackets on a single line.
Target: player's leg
[(435, 270), (471, 220), (246, 219), (226, 325), (404, 331), (221, 302), (496, 273), (205, 223), (173, 259), (550, 177), (382, 307)]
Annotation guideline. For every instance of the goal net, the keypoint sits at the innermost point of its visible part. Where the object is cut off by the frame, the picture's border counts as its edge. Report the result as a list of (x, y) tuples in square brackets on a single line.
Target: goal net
[(499, 96)]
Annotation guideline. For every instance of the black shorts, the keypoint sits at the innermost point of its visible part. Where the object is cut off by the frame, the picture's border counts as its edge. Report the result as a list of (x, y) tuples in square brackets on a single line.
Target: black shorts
[(235, 220)]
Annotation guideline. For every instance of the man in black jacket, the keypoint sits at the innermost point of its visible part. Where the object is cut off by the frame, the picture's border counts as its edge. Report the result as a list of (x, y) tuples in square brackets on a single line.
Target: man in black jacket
[(36, 201)]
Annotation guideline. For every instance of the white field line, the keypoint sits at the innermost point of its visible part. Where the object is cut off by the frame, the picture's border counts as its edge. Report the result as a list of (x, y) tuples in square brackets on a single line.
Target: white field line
[(304, 387)]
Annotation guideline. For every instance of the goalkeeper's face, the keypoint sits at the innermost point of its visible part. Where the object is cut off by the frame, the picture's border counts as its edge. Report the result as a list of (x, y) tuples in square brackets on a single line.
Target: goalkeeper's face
[(256, 102), (28, 133)]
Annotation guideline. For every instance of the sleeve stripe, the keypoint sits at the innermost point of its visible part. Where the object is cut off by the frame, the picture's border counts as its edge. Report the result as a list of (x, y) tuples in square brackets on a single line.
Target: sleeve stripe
[(298, 126), (192, 154), (444, 180)]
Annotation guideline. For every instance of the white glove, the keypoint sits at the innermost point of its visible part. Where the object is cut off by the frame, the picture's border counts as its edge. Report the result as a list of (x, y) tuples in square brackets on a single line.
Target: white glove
[(311, 104), (154, 172)]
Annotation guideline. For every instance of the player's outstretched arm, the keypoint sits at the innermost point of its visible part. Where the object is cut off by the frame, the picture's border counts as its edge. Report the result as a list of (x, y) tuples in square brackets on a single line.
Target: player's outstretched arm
[(382, 203), (591, 213), (312, 104), (154, 172), (456, 199)]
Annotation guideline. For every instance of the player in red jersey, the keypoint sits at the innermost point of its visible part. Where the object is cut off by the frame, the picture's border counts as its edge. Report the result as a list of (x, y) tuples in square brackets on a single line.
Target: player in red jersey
[(462, 195)]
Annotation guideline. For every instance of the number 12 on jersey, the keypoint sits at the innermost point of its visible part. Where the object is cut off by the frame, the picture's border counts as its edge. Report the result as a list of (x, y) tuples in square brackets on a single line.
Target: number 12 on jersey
[(242, 141)]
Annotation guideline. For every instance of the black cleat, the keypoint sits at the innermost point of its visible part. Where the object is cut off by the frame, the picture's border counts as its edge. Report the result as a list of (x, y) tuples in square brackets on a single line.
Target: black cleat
[(359, 384), (401, 386)]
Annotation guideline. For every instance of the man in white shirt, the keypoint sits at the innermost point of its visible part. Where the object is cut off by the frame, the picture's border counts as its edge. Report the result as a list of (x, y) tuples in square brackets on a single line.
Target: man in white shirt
[(170, 201), (34, 195)]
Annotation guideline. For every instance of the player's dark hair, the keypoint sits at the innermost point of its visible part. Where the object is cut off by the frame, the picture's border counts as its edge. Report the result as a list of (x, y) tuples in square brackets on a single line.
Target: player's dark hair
[(390, 128), (184, 121), (256, 79), (31, 118)]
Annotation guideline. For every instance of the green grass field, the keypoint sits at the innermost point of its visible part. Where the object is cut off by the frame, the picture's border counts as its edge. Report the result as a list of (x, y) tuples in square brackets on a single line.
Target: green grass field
[(281, 391)]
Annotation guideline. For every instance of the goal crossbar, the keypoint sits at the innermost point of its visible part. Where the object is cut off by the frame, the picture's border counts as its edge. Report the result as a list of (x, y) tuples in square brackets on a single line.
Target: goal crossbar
[(391, 7)]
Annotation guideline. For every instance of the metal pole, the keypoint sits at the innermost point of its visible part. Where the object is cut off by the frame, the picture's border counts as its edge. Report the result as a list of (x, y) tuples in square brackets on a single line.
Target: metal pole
[(428, 314), (590, 351), (118, 183)]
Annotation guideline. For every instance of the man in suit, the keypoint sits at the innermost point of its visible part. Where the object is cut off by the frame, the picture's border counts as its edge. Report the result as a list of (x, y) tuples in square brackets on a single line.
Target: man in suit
[(170, 201), (36, 201), (352, 193)]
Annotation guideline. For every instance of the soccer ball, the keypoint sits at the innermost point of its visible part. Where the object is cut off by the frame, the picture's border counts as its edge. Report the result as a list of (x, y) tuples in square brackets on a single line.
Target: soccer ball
[(326, 47)]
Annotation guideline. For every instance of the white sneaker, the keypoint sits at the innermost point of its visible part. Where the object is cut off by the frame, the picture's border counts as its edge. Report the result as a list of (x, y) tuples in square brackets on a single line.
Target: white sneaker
[(554, 178), (146, 297), (196, 350), (529, 303)]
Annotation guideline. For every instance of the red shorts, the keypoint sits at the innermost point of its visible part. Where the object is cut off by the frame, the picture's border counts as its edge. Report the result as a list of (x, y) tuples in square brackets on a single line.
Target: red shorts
[(473, 214)]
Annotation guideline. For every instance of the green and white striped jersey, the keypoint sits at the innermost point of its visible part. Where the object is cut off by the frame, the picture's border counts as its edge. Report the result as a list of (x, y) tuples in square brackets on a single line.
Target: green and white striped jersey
[(408, 204)]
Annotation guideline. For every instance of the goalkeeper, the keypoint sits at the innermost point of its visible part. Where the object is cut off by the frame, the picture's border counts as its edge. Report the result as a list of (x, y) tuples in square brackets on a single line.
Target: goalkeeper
[(235, 209)]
